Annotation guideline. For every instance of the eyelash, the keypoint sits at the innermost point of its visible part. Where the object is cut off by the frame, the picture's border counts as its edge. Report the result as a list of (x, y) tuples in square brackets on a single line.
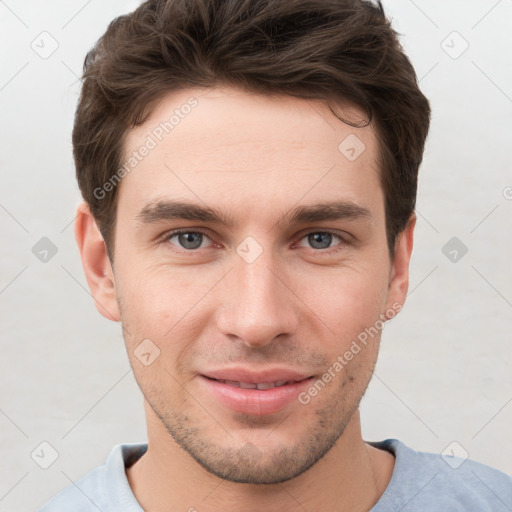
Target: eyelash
[(164, 239)]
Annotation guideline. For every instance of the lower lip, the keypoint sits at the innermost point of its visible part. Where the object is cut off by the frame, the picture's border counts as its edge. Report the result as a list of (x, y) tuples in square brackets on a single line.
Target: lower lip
[(255, 401)]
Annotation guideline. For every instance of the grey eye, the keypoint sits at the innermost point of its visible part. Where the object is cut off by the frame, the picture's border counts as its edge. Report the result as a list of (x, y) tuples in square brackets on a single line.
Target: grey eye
[(320, 240), (189, 240)]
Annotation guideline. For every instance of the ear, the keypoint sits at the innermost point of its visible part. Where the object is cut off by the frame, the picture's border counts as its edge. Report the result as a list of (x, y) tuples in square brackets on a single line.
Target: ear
[(96, 264), (399, 273)]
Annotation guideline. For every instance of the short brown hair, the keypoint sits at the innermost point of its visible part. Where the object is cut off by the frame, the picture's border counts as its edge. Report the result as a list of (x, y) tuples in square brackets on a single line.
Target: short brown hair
[(333, 50)]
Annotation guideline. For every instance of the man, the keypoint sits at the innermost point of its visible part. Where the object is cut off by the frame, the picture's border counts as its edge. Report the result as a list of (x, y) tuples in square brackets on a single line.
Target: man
[(249, 172)]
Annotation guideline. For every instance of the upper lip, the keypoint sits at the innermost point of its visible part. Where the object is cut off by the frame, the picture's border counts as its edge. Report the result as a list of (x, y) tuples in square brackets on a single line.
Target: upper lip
[(257, 377)]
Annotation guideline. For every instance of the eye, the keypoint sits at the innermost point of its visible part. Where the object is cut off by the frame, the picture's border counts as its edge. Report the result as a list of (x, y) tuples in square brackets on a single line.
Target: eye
[(188, 240), (194, 240), (321, 240)]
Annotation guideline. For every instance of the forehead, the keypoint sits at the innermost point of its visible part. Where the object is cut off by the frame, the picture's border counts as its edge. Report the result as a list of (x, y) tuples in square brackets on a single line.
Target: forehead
[(241, 151)]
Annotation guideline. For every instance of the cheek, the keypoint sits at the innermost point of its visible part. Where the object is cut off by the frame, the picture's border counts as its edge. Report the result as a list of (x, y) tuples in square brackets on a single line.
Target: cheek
[(348, 301), (164, 308), (155, 300)]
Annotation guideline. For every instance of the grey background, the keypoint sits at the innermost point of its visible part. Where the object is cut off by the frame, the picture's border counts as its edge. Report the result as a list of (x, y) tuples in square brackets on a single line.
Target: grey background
[(444, 372)]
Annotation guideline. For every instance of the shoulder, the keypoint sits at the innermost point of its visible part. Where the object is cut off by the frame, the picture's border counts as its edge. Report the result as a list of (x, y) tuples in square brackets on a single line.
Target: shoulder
[(427, 481), (84, 495), (102, 488)]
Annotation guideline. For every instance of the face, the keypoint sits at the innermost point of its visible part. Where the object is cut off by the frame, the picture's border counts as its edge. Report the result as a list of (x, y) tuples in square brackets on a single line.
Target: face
[(250, 255)]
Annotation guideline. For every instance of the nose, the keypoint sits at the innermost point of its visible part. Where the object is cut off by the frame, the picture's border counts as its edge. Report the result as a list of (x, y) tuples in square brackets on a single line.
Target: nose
[(258, 303)]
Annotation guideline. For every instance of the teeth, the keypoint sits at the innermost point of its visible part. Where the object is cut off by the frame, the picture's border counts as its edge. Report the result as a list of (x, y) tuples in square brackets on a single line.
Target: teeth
[(248, 385), (253, 385), (266, 385)]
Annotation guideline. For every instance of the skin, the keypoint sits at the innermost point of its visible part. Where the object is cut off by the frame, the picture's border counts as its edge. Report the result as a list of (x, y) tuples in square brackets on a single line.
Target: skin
[(296, 306)]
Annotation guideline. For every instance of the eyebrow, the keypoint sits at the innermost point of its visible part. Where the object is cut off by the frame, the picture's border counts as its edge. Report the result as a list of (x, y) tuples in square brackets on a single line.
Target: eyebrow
[(164, 210)]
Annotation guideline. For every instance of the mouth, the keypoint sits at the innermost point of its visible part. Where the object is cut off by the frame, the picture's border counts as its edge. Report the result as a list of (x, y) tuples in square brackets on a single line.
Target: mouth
[(252, 393), (257, 385)]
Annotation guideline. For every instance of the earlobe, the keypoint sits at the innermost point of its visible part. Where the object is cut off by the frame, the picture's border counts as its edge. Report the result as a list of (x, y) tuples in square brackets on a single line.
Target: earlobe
[(399, 275), (95, 262)]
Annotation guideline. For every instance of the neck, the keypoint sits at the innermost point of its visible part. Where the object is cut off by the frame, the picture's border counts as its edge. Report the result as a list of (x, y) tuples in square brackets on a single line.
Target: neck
[(351, 476)]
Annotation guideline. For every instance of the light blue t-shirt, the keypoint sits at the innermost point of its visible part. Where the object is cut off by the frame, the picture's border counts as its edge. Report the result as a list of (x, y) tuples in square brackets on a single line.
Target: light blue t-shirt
[(420, 482)]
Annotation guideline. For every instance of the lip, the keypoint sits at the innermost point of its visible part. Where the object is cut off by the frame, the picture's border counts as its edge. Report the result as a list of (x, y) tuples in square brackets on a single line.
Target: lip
[(259, 402)]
